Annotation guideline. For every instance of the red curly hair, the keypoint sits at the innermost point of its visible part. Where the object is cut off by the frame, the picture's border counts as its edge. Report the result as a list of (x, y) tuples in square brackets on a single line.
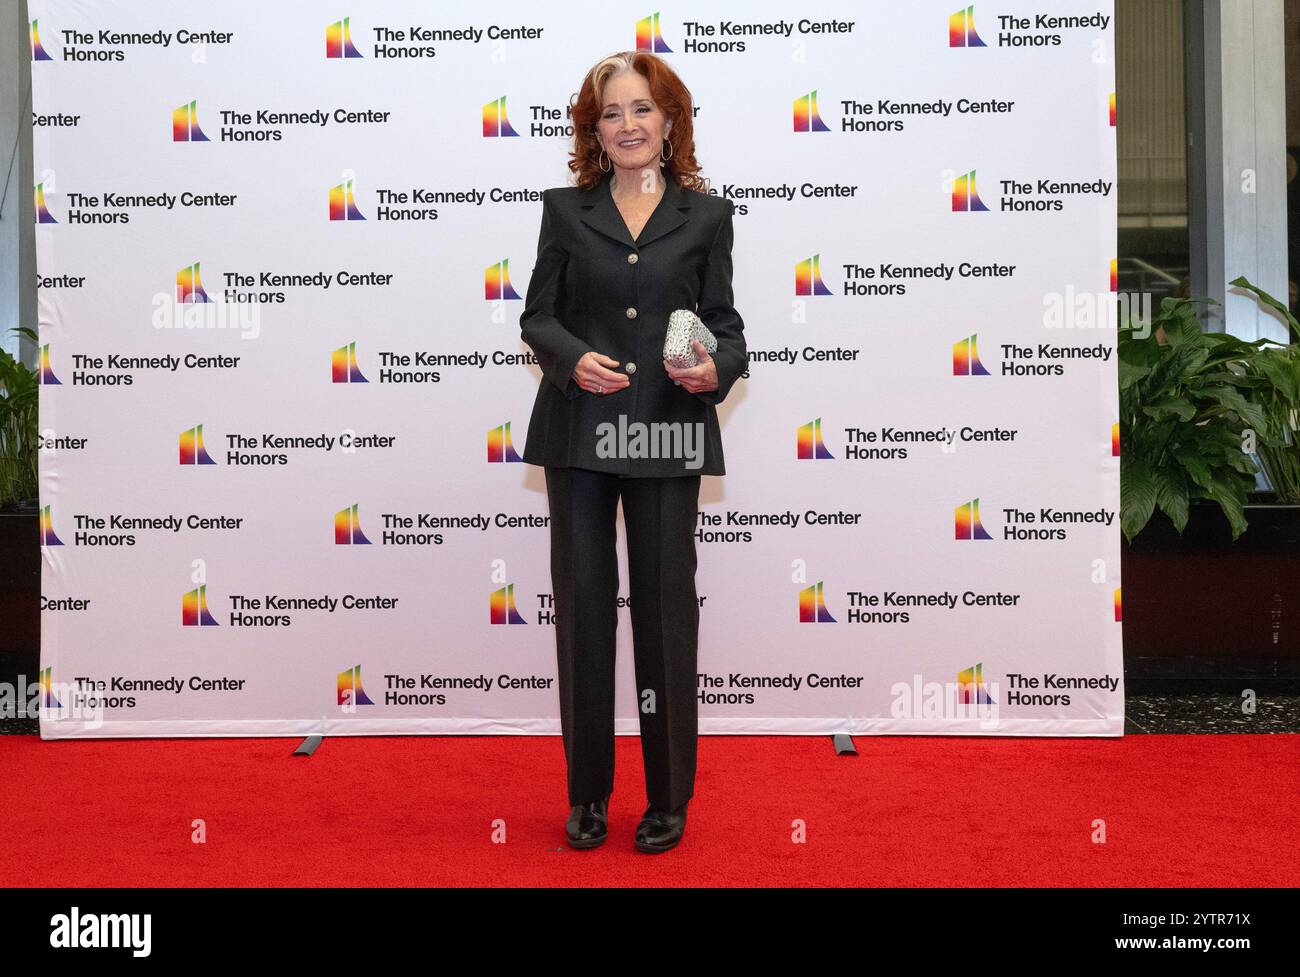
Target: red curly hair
[(669, 94)]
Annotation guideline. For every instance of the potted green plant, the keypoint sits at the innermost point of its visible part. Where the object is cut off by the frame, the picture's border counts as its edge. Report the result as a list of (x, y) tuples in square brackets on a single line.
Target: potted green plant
[(1185, 411), (18, 407), (20, 583), (1203, 598), (1278, 365)]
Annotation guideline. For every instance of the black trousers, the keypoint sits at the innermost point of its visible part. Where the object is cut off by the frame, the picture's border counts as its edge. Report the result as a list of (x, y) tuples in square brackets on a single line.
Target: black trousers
[(659, 515)]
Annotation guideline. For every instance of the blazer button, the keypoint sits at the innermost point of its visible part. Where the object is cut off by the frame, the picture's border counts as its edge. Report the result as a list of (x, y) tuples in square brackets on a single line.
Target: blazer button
[(631, 368), (632, 258), (631, 313)]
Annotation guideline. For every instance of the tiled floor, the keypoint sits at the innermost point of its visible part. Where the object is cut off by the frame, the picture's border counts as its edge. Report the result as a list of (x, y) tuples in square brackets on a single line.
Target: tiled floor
[(1190, 713), (1211, 713)]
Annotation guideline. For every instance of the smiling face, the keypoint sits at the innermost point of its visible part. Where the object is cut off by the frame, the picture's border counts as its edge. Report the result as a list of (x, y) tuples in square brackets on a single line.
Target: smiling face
[(632, 128)]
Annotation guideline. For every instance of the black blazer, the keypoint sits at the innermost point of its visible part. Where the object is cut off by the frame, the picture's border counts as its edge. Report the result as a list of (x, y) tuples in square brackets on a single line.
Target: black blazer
[(595, 288)]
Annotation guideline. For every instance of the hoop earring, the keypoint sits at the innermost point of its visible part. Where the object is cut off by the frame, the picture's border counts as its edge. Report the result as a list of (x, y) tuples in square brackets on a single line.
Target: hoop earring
[(605, 167), (670, 150)]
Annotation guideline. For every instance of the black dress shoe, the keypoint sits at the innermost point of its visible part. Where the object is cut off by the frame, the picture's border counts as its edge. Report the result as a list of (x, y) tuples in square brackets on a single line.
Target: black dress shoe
[(659, 830), (587, 824)]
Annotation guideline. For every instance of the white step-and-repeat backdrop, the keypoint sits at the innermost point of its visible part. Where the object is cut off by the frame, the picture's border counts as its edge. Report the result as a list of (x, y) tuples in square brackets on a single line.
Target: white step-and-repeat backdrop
[(282, 249)]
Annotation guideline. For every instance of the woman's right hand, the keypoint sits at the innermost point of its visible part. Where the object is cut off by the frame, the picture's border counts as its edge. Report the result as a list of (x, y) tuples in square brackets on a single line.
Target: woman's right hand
[(592, 374)]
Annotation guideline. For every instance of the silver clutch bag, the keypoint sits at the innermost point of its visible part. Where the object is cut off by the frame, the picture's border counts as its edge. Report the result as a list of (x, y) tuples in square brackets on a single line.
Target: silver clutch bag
[(684, 326)]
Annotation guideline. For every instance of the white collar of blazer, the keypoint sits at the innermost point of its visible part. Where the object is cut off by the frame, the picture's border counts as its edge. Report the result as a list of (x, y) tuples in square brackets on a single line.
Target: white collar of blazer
[(601, 213)]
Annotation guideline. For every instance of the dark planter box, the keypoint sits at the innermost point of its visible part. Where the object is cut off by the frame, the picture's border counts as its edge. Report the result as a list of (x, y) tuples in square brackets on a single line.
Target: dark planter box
[(20, 597), (1202, 612)]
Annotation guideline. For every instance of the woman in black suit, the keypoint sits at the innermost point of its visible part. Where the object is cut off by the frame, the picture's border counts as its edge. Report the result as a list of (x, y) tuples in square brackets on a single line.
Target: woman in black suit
[(637, 238)]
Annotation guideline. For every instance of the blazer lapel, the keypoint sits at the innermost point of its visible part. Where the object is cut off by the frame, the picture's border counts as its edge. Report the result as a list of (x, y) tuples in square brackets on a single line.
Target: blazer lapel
[(601, 213)]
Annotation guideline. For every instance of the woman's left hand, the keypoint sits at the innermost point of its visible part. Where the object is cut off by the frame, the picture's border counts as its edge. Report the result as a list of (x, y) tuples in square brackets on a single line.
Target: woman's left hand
[(697, 379)]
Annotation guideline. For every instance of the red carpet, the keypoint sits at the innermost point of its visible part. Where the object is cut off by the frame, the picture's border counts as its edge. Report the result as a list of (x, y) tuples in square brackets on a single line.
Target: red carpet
[(1209, 810)]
